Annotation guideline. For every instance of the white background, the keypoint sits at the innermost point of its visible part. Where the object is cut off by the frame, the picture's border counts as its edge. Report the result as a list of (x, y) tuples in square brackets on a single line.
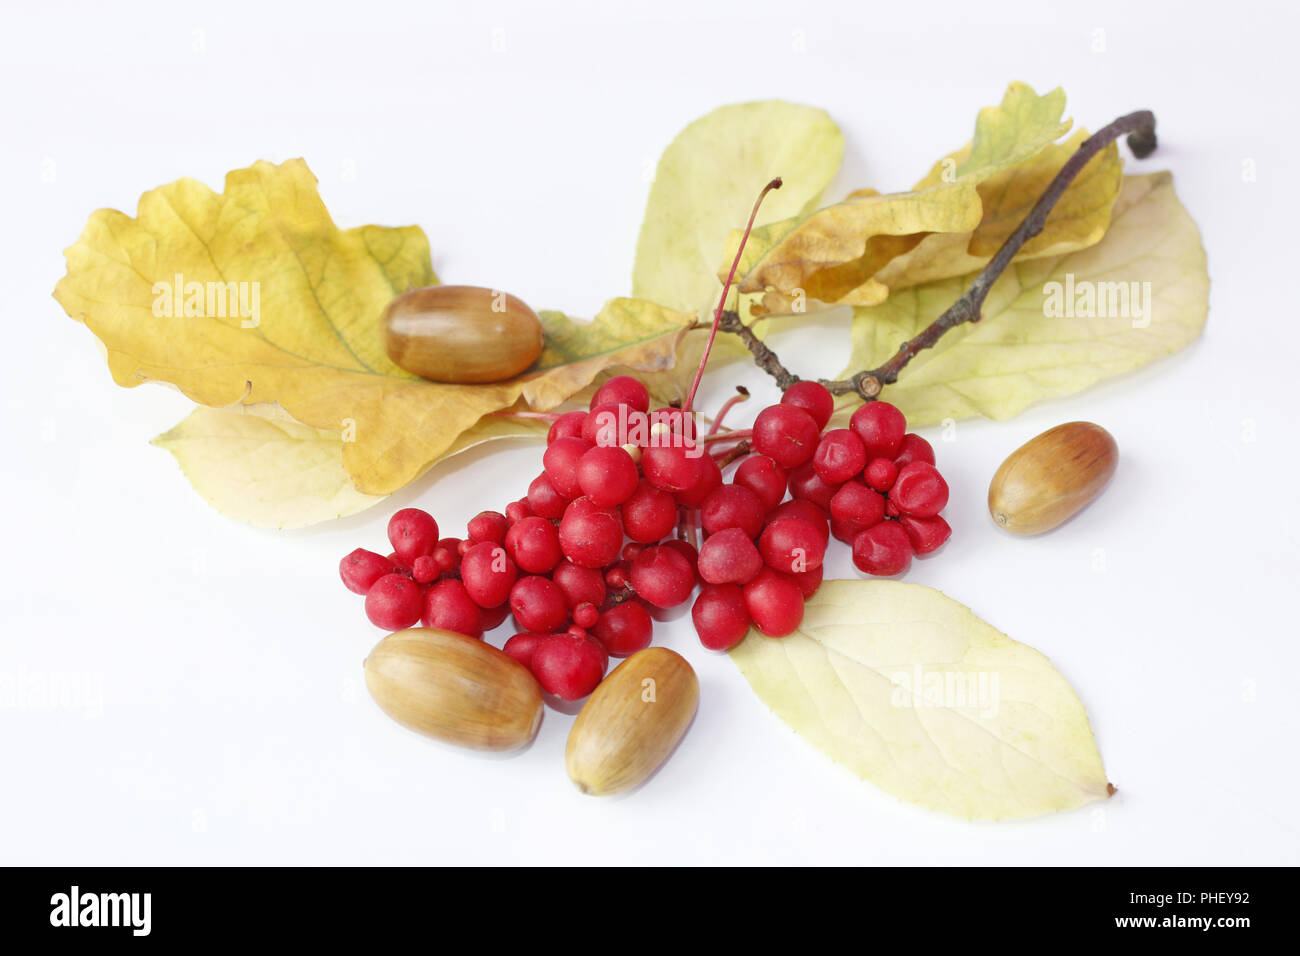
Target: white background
[(225, 719)]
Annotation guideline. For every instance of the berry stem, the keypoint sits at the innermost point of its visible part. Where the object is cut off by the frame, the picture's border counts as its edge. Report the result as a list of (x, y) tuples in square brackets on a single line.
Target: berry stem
[(726, 287), (742, 395)]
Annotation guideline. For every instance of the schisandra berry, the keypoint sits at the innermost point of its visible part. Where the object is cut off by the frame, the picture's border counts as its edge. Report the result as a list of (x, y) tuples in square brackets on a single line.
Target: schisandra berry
[(881, 427), (425, 569), (561, 463), (488, 526), (840, 455), (607, 475), (857, 503), (880, 474), (494, 616), (650, 514), (720, 616), (623, 389), (579, 585), (608, 425), (925, 534), (807, 511), (523, 646), (517, 511), (619, 575), (662, 576), (672, 468), (763, 477), (625, 628), (412, 532), (786, 434), (687, 551), (708, 478), (919, 490), (914, 448), (361, 569), (631, 550), (568, 425), (538, 604), (448, 606), (729, 557), (792, 545), (534, 545), (567, 666), (732, 506), (809, 581), (543, 500), (394, 602), (586, 615), (589, 534), (813, 398), (883, 550), (807, 485), (488, 574), (774, 602)]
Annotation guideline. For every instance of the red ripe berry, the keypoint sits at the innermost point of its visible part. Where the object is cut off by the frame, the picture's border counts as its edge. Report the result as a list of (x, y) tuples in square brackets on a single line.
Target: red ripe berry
[(493, 616), (880, 474), (914, 448), (394, 602), (580, 585), (792, 545), (809, 581), (446, 558), (919, 490), (518, 511), (708, 477), (619, 576), (543, 500), (448, 607), (625, 628), (925, 534), (839, 456), (813, 398), (774, 602), (488, 526), (857, 503), (807, 511), (610, 424), (568, 425), (568, 666), (671, 468), (677, 425), (881, 427), (807, 485), (663, 576), (650, 514), (396, 562), (625, 389), (533, 544), (631, 550), (586, 615), (537, 604), (687, 551), (786, 434), (720, 616), (883, 549), (733, 506), (846, 530), (763, 477), (607, 475), (523, 646), (561, 463), (590, 535), (362, 568), (412, 532), (729, 557), (425, 568), (488, 574)]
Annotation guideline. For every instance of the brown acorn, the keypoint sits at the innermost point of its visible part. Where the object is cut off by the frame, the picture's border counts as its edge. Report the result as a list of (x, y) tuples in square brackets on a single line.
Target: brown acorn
[(454, 688), (1049, 479), (461, 333)]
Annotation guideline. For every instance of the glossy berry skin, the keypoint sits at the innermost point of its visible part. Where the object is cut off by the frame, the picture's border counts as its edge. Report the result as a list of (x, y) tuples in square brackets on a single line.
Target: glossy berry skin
[(649, 514), (533, 544), (807, 485), (662, 576), (609, 425), (361, 569), (729, 557), (516, 511), (807, 511), (561, 463), (881, 427), (687, 551), (425, 569), (580, 585), (809, 581), (845, 529), (671, 468), (813, 398), (567, 666), (394, 602), (925, 534), (488, 574), (786, 434), (586, 615), (708, 477), (792, 545), (623, 389), (493, 616), (487, 526), (840, 456), (568, 425), (880, 474), (538, 604), (607, 475), (624, 629), (733, 506), (763, 477), (412, 532), (914, 448), (883, 550), (590, 535), (543, 500), (857, 503), (720, 616), (523, 646), (919, 490), (774, 602), (448, 607)]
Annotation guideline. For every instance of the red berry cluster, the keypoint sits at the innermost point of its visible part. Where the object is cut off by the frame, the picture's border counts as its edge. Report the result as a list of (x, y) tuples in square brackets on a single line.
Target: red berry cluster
[(583, 559)]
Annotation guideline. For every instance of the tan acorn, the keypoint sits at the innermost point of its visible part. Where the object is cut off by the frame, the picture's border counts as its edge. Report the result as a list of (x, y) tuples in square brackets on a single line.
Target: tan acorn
[(632, 722), (461, 333), (454, 688), (1049, 479)]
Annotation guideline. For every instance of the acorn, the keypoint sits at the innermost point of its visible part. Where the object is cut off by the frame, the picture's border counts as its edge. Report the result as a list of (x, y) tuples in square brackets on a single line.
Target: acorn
[(1050, 479), (461, 334), (454, 688), (632, 722)]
